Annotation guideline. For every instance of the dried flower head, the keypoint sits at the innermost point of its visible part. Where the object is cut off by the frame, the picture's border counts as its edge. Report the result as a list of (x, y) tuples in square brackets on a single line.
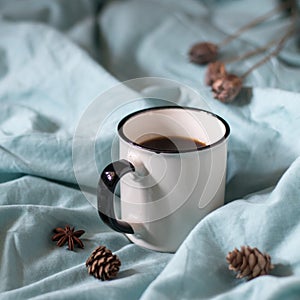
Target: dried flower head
[(215, 70), (227, 88), (203, 53)]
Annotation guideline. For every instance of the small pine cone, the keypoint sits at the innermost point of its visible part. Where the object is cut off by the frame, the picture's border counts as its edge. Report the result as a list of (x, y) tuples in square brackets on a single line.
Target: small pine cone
[(215, 70), (102, 264), (249, 262), (203, 53)]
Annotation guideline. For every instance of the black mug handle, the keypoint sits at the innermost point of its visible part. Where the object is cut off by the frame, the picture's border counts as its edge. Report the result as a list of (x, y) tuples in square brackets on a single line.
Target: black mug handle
[(108, 181)]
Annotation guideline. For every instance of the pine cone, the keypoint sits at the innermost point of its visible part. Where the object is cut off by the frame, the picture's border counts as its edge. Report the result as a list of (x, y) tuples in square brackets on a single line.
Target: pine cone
[(249, 262), (102, 264)]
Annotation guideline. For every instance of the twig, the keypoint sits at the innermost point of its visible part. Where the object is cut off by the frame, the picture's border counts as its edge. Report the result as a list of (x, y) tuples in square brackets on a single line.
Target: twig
[(254, 23), (252, 52), (280, 45), (278, 48)]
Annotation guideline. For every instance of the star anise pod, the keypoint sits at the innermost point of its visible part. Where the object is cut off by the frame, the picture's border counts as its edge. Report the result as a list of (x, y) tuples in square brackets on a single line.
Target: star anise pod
[(68, 235)]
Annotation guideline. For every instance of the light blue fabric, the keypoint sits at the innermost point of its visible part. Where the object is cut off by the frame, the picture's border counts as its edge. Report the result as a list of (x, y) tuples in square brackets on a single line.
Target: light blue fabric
[(55, 58)]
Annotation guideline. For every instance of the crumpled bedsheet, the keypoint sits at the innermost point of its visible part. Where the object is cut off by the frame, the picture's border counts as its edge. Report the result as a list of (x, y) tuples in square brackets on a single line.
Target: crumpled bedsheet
[(56, 56)]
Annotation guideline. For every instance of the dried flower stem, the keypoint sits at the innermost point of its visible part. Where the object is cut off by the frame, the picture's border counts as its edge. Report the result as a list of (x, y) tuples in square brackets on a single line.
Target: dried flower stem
[(254, 23), (251, 53), (280, 45), (278, 48)]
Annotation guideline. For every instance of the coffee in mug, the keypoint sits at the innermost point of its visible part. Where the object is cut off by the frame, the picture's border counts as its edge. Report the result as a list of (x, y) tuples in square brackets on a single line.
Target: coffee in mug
[(172, 143)]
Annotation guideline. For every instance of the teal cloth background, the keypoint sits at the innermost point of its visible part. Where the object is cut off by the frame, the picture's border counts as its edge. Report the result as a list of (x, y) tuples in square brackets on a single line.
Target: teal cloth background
[(56, 56)]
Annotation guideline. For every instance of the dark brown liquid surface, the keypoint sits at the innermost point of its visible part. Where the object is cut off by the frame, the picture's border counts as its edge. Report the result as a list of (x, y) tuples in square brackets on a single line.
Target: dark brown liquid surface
[(172, 144)]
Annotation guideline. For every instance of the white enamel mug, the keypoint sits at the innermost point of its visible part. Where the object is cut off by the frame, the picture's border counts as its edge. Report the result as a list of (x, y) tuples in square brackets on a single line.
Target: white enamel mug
[(165, 193)]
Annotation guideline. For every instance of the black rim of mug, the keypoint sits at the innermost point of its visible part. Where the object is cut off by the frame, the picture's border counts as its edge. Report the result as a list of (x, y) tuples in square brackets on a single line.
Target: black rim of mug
[(125, 138)]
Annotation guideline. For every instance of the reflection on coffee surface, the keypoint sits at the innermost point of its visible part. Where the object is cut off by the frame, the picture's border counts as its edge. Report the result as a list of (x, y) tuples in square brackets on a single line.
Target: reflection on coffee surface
[(172, 143)]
